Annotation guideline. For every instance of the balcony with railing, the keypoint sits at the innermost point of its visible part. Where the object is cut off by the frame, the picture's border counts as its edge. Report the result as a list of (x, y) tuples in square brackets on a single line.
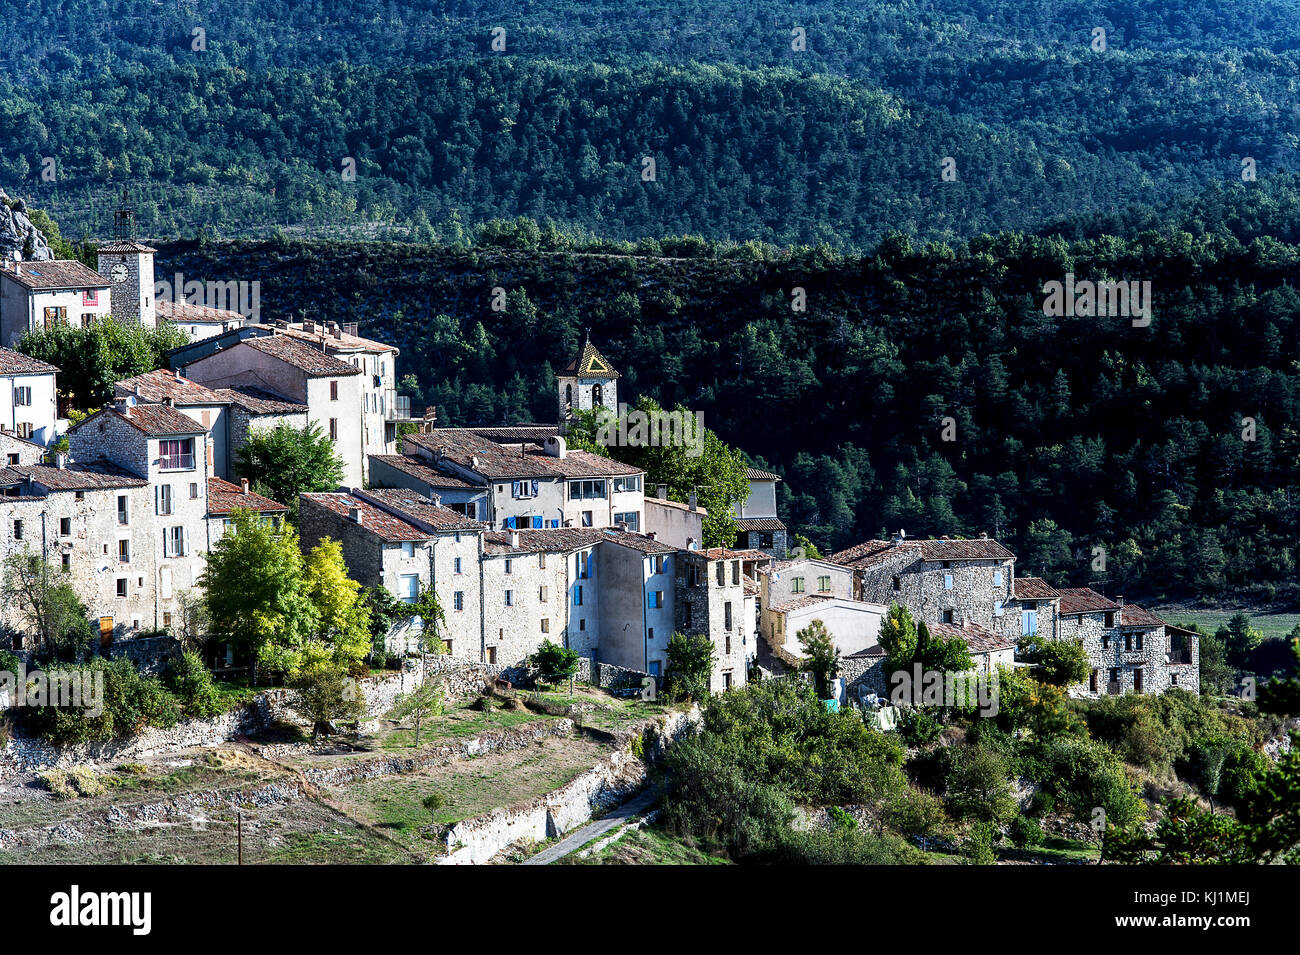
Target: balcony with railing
[(397, 407)]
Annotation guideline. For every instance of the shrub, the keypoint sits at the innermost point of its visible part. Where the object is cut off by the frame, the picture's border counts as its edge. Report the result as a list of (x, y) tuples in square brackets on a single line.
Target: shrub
[(918, 728), (690, 664), (57, 782), (554, 663), (916, 813), (1025, 833), (978, 847), (976, 785), (131, 702), (837, 847), (85, 781), (1085, 775), (189, 678)]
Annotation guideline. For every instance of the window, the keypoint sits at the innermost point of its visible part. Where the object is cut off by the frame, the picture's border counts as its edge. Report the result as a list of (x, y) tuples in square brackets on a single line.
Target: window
[(334, 429), (334, 391), (523, 489), (1137, 680), (510, 598), (121, 586), (656, 599), (408, 548), (1173, 679), (408, 588), (79, 495), (176, 454), (693, 575), (123, 509), (456, 566), (55, 315), (167, 619), (194, 487), (577, 596), (546, 625), (721, 573), (823, 584), (164, 499), (947, 581), (18, 530), (898, 582), (582, 624), (87, 319), (947, 616), (659, 564), (23, 396), (1105, 642), (632, 483), (997, 578), (67, 561), (1092, 682), (458, 600), (728, 650), (650, 633), (1029, 621), (586, 519), (997, 608), (797, 585), (124, 551), (631, 518), (586, 490), (1128, 643), (726, 615), (568, 394), (65, 527), (175, 542), (543, 593), (541, 559), (14, 460), (688, 616), (735, 573), (1110, 618)]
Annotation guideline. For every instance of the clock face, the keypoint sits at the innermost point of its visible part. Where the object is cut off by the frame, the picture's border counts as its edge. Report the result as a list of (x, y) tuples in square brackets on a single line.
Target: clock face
[(119, 272)]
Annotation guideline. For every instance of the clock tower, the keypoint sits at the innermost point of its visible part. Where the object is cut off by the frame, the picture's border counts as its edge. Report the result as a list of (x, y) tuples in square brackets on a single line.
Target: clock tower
[(128, 264), (586, 383)]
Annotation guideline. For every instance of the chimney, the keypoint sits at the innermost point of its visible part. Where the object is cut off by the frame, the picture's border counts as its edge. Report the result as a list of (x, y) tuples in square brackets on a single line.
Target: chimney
[(137, 391), (430, 416), (18, 267), (663, 492), (169, 401), (898, 538), (652, 535), (514, 538), (983, 536), (692, 500), (354, 515), (243, 485), (124, 404), (1120, 599), (621, 526), (308, 325), (61, 460)]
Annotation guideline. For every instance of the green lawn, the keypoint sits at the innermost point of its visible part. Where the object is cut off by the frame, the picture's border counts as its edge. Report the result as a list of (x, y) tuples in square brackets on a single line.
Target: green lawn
[(1270, 624), (457, 722)]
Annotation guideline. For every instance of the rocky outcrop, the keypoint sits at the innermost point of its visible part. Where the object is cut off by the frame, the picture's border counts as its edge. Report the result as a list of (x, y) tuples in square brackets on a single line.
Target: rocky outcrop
[(17, 234)]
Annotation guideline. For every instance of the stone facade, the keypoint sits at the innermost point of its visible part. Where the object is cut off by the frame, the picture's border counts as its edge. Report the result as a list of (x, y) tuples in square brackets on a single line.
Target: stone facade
[(710, 601)]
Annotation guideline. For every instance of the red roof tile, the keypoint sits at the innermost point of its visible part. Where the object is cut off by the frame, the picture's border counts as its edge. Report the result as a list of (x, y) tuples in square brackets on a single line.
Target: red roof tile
[(224, 497), (161, 384), (16, 363), (312, 362), (1084, 600), (374, 520)]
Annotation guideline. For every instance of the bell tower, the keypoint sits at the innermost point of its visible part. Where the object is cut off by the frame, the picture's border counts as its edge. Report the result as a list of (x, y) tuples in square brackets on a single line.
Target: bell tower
[(128, 264), (587, 382)]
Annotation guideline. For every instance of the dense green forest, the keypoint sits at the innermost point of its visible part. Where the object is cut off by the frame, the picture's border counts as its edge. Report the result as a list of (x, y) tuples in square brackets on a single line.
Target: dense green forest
[(1071, 433), (839, 141)]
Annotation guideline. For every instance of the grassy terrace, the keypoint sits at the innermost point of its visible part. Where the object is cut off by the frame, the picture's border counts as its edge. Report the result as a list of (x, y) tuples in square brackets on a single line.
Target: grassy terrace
[(1270, 624)]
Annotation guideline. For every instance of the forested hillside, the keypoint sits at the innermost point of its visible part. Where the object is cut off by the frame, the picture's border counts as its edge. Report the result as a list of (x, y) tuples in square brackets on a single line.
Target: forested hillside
[(1071, 433), (837, 142)]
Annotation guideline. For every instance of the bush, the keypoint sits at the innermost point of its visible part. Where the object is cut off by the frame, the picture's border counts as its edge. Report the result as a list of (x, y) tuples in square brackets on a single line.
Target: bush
[(1025, 833), (1085, 775), (189, 678), (918, 728), (130, 703), (976, 785), (554, 663), (916, 813), (57, 782), (837, 847), (978, 847)]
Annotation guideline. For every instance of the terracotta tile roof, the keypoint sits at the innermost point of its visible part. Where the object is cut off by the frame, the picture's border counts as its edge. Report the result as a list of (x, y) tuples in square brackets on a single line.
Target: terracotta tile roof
[(751, 586), (754, 474), (800, 602), (953, 549), (1134, 616), (556, 540), (374, 520), (724, 553), (978, 639), (312, 362), (872, 552), (759, 524), (188, 313), (425, 472), (638, 542), (157, 421), (1035, 588), (504, 461), (342, 342), (1083, 600), (79, 476), (411, 504), (55, 274), (160, 384), (224, 497), (678, 505), (515, 434), (873, 651), (590, 363), (16, 363), (259, 402), (124, 245)]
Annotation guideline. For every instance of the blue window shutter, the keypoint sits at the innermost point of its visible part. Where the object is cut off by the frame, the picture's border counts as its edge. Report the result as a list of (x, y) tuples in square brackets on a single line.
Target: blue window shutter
[(537, 522), (514, 489), (534, 489), (510, 522)]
